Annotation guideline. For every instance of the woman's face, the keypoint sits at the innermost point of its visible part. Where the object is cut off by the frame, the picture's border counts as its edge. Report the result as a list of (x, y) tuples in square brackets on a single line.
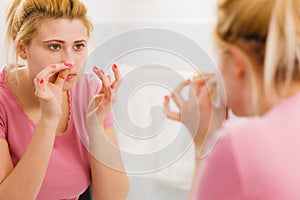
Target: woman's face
[(58, 41)]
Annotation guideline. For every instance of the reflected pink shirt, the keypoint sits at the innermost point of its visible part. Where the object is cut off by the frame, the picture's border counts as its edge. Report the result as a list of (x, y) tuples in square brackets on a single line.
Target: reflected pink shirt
[(257, 158), (68, 173)]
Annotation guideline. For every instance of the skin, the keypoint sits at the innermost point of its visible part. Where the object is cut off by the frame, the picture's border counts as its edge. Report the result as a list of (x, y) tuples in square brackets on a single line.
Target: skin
[(236, 76), (54, 63)]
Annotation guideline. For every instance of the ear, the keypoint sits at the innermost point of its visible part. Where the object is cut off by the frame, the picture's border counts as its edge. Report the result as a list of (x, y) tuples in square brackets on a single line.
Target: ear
[(239, 62), (21, 49)]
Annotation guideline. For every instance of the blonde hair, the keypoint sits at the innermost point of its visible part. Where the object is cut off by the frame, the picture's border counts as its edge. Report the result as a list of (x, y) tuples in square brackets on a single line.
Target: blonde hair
[(267, 33), (25, 16)]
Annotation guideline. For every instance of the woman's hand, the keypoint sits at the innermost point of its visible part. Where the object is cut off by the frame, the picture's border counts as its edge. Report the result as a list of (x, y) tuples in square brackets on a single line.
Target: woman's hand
[(49, 91), (198, 113), (104, 99)]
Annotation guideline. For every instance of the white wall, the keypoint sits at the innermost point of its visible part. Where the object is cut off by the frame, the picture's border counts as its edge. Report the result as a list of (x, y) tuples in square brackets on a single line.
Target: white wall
[(193, 18), (151, 10), (170, 13)]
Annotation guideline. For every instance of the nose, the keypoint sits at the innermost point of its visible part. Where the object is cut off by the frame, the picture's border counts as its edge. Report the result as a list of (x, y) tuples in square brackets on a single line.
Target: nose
[(68, 57)]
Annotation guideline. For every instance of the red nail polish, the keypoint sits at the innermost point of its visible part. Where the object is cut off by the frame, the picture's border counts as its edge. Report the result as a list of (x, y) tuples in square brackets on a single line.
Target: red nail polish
[(112, 86), (68, 64), (53, 66), (115, 66), (166, 97), (41, 81), (96, 68), (102, 71)]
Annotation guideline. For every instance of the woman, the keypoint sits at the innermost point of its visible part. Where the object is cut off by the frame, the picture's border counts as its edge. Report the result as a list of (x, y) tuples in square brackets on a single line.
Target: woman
[(41, 152), (257, 157)]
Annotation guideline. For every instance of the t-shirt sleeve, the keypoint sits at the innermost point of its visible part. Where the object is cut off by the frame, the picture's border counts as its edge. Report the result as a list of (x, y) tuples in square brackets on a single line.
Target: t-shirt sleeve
[(2, 126), (218, 175)]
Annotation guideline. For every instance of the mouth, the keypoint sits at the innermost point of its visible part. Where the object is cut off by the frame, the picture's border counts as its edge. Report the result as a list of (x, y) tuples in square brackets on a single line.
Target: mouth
[(70, 76)]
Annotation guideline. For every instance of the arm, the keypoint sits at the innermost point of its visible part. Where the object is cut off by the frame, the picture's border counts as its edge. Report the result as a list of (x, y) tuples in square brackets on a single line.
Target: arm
[(24, 181), (197, 113), (109, 180)]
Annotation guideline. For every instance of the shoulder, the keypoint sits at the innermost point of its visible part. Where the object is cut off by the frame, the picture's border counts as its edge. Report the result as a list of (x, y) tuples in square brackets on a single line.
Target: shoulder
[(89, 80), (88, 85), (270, 127), (84, 90), (5, 93), (224, 162)]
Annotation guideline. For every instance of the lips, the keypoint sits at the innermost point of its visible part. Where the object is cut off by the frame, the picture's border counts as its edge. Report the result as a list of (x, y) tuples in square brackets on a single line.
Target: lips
[(70, 76)]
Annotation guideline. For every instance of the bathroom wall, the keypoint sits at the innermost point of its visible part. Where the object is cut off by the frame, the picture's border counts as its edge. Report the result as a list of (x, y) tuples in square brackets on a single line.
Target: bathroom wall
[(193, 19)]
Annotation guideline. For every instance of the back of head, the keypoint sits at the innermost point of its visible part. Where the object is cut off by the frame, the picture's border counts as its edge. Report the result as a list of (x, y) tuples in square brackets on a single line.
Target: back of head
[(267, 32), (24, 18)]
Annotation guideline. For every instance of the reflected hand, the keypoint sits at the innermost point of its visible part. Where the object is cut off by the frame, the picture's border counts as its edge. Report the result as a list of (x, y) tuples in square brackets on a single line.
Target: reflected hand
[(197, 112)]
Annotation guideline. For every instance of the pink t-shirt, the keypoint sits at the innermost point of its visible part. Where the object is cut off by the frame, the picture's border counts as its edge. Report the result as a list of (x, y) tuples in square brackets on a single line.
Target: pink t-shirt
[(255, 159), (68, 173)]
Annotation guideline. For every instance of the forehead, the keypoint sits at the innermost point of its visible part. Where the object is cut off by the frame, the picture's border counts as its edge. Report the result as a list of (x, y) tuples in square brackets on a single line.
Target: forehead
[(62, 29)]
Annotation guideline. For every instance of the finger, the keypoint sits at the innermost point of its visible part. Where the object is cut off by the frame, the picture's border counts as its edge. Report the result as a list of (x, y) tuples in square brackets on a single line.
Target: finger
[(108, 78), (169, 113), (40, 90), (61, 78), (111, 92), (98, 99), (104, 79), (176, 94), (211, 83), (102, 86), (212, 88), (196, 86), (205, 95), (117, 76), (217, 97), (50, 71)]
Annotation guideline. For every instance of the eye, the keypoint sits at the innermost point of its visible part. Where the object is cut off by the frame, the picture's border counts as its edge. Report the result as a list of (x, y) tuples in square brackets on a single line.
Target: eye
[(54, 47), (78, 46)]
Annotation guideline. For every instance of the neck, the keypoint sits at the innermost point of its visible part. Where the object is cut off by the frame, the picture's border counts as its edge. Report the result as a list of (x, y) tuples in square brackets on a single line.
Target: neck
[(295, 87), (23, 87), (265, 105)]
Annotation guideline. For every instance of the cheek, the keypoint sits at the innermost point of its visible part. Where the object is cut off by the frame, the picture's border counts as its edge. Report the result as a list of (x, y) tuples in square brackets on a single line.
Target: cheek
[(222, 70), (227, 81), (37, 60), (80, 61)]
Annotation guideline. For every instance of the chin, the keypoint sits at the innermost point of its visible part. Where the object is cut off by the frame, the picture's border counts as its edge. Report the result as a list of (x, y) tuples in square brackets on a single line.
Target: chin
[(68, 86)]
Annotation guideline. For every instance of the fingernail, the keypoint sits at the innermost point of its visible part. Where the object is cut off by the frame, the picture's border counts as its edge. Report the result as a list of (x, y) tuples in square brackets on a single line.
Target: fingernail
[(53, 66), (102, 71), (112, 86), (96, 68), (166, 97), (188, 81), (115, 66), (68, 64), (41, 81)]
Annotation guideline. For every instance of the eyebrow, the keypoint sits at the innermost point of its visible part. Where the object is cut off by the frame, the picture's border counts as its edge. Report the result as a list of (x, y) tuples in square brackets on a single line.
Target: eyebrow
[(61, 41)]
